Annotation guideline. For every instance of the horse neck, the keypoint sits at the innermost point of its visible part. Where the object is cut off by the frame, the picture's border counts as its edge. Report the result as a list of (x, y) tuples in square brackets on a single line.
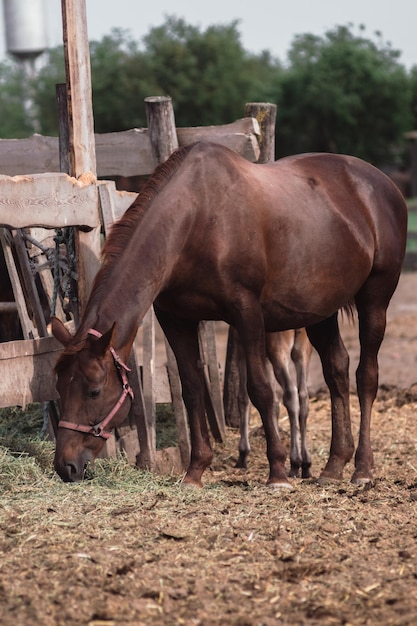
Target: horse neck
[(138, 275)]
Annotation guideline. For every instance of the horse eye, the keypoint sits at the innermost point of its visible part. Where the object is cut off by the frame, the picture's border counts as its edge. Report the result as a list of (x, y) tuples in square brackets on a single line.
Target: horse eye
[(94, 393)]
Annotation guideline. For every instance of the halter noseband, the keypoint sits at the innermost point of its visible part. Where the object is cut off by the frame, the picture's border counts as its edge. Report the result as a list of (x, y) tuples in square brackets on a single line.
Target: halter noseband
[(98, 429)]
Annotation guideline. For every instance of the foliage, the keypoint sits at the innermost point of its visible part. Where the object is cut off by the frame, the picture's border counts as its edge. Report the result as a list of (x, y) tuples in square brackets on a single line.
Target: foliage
[(51, 74), (14, 123), (340, 92), (343, 93), (208, 75)]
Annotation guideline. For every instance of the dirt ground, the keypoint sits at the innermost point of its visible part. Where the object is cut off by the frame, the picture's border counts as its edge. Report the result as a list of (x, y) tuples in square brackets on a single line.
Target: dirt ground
[(235, 552)]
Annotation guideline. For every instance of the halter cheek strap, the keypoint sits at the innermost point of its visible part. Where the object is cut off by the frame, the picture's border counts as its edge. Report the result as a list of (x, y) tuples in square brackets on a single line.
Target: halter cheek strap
[(98, 429)]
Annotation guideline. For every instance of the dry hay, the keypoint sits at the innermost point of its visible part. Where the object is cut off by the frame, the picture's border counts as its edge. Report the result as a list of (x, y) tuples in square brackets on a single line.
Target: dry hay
[(131, 548)]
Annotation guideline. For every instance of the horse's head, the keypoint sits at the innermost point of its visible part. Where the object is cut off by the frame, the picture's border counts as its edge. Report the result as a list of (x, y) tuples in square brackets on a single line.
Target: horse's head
[(93, 387)]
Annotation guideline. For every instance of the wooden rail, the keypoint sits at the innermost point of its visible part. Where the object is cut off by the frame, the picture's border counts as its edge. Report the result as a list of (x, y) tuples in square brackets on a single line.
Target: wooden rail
[(126, 153)]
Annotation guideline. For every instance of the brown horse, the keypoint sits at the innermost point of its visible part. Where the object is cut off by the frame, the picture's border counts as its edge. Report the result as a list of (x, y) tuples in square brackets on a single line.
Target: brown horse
[(286, 351), (262, 247)]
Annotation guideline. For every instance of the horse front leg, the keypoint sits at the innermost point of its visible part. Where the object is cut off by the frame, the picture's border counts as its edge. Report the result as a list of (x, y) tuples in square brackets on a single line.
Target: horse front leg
[(326, 338), (183, 339), (252, 336)]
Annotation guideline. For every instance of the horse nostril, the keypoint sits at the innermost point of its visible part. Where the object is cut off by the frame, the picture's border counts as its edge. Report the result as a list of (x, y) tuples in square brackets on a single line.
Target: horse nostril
[(70, 473)]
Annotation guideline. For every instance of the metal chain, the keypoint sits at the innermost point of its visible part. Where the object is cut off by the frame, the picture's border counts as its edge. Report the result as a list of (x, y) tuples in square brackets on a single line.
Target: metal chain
[(64, 267)]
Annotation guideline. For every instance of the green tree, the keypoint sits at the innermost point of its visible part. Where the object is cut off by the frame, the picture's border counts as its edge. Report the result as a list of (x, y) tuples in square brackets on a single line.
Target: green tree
[(51, 74), (15, 118), (413, 97), (120, 82), (208, 74), (343, 93)]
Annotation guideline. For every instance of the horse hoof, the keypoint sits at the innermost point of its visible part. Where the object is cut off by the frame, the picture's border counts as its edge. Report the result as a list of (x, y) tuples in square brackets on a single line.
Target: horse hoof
[(328, 480), (362, 480), (286, 486), (191, 484)]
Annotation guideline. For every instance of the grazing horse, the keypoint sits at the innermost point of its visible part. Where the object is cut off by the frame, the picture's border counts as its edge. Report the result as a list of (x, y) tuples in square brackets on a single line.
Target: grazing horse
[(263, 247), (286, 350)]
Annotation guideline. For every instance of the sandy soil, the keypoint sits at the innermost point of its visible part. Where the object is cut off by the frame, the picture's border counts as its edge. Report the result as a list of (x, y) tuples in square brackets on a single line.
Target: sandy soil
[(235, 552)]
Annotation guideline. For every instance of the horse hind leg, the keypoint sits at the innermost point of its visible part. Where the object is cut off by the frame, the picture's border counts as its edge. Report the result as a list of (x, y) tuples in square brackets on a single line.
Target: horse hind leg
[(243, 407), (372, 303), (301, 355), (252, 336), (325, 338), (279, 347)]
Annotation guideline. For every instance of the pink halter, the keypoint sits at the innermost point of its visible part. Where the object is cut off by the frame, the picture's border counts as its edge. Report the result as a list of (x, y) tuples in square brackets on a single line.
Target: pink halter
[(98, 429)]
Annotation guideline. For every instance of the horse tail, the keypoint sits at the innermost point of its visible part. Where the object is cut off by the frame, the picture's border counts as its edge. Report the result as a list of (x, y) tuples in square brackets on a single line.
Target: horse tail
[(349, 311)]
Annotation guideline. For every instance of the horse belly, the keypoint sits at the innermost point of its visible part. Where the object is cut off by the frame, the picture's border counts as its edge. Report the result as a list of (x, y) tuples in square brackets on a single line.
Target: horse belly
[(296, 299)]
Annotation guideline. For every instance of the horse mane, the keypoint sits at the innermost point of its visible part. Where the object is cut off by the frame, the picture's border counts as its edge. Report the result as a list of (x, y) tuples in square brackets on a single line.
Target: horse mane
[(121, 231), (119, 236)]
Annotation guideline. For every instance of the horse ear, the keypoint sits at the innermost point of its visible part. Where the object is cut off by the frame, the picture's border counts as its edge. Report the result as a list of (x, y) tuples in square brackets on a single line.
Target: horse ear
[(100, 346), (60, 331)]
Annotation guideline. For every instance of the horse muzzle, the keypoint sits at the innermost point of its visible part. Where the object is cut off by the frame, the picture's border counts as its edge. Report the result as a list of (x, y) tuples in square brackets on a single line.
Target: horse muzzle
[(72, 470)]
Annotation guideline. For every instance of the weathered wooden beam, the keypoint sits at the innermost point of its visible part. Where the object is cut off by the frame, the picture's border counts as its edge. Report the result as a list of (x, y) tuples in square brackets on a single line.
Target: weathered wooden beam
[(79, 93), (81, 133), (25, 371), (125, 153), (48, 200), (240, 136), (8, 307), (265, 114)]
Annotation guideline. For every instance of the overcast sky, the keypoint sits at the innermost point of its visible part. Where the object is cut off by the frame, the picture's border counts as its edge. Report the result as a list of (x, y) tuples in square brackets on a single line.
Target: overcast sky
[(268, 25)]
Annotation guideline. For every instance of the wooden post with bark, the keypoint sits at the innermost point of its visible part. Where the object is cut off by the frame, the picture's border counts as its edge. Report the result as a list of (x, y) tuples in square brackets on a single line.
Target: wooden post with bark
[(265, 113), (163, 138), (82, 155)]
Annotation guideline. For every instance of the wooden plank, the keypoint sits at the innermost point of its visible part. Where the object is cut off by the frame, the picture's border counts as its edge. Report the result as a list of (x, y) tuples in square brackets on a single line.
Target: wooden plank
[(45, 239), (148, 373), (32, 155), (8, 307), (138, 417), (28, 327), (32, 295), (181, 418), (26, 371), (207, 339), (113, 203), (240, 136), (126, 153), (48, 200)]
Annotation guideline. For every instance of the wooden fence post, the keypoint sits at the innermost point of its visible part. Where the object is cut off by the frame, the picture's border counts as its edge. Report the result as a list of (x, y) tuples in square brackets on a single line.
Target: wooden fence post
[(81, 131), (163, 139), (265, 113)]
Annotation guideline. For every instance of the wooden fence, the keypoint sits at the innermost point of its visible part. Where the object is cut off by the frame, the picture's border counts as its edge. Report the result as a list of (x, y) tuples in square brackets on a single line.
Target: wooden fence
[(50, 200)]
